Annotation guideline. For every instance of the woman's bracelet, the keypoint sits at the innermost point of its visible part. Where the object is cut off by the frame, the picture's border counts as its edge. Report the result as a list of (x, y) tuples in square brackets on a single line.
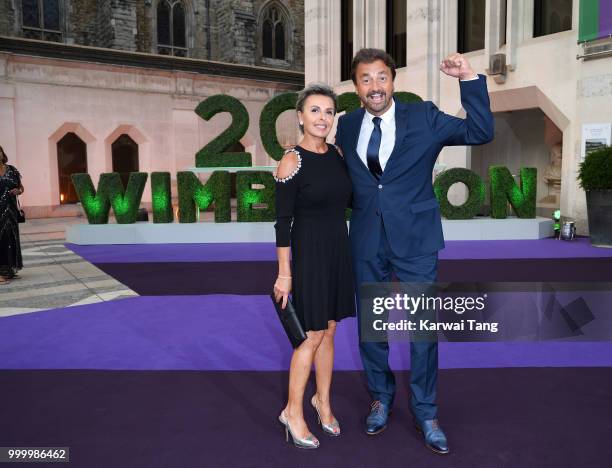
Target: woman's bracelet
[(284, 277)]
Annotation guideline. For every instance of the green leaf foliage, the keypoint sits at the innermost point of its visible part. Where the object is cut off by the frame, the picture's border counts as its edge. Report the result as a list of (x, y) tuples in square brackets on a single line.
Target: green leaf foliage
[(595, 172)]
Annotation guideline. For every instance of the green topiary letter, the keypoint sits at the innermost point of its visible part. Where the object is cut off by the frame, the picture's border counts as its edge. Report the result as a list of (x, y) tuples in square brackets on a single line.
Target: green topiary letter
[(348, 102), (247, 196), (110, 192), (192, 194), (214, 153), (476, 193), (504, 190), (405, 96), (161, 195), (267, 122)]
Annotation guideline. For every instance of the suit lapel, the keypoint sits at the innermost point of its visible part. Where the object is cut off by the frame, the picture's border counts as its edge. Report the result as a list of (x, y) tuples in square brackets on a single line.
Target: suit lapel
[(354, 128), (401, 130)]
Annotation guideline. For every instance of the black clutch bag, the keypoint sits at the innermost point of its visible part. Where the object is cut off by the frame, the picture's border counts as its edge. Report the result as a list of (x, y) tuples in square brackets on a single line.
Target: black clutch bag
[(291, 324)]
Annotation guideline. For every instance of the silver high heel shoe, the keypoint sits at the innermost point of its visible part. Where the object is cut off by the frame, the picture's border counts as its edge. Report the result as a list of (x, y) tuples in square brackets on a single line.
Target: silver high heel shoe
[(332, 429), (308, 442)]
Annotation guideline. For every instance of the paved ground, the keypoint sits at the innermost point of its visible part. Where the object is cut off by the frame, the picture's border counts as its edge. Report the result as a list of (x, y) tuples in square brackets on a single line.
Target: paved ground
[(54, 276)]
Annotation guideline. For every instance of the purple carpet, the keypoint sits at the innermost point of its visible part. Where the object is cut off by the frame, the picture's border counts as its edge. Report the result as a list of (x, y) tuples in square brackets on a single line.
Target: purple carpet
[(510, 418), (227, 333), (194, 372)]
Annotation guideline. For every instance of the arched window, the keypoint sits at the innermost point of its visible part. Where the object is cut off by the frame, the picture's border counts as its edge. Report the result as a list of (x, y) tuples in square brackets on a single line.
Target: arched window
[(125, 157), (171, 30), (273, 34), (41, 20), (71, 159)]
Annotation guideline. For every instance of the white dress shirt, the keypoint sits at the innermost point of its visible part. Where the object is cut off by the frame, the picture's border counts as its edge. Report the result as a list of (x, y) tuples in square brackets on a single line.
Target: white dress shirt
[(387, 142)]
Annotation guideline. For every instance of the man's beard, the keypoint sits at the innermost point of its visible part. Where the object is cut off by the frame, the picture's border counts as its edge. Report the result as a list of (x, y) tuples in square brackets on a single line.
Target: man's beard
[(376, 106)]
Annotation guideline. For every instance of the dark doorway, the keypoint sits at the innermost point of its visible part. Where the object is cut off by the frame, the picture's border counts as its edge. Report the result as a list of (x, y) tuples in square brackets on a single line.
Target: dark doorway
[(71, 159)]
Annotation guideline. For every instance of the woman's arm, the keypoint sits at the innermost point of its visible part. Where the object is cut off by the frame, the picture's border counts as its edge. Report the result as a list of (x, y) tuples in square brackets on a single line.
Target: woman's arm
[(19, 189), (286, 190)]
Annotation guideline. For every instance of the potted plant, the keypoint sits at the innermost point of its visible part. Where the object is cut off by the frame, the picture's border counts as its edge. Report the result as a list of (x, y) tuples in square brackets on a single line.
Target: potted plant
[(595, 177)]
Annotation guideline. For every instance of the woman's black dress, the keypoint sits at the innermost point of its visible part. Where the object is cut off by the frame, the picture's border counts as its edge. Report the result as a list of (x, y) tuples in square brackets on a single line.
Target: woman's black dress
[(315, 197), (10, 249)]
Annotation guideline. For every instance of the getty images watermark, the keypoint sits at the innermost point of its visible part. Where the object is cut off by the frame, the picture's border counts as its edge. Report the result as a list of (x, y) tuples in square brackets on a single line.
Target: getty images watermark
[(412, 305), (485, 311)]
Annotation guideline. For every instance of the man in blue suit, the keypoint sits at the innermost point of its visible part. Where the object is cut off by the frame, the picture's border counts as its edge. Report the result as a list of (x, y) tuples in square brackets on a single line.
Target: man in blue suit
[(390, 148)]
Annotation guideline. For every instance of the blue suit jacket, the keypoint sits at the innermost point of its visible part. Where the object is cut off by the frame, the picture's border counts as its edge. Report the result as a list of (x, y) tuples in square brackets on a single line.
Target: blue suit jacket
[(404, 196)]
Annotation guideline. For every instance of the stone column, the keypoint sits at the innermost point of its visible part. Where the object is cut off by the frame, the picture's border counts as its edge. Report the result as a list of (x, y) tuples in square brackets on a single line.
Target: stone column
[(445, 90), (236, 32), (124, 25), (322, 41), (375, 22)]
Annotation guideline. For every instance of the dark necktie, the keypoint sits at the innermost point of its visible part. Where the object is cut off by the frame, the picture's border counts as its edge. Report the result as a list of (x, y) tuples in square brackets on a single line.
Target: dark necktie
[(373, 148)]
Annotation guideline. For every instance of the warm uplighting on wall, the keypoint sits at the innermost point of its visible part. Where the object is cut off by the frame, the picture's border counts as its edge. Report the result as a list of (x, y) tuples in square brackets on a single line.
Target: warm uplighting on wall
[(61, 197)]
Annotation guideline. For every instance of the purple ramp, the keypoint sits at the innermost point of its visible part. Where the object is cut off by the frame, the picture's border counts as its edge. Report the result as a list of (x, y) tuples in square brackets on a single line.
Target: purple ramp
[(455, 250)]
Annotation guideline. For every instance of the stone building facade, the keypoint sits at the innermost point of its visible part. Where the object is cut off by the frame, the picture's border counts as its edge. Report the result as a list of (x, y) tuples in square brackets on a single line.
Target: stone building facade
[(102, 86), (546, 88), (220, 30)]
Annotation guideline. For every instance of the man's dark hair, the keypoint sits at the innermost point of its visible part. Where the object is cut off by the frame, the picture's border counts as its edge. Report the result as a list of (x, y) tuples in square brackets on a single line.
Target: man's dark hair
[(4, 157), (370, 56)]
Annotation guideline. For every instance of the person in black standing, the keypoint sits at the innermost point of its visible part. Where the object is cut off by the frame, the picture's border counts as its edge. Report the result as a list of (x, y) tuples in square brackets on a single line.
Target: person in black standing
[(313, 190), (10, 248)]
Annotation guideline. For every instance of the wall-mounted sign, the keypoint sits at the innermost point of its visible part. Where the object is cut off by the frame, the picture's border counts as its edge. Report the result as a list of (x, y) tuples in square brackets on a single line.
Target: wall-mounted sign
[(594, 136)]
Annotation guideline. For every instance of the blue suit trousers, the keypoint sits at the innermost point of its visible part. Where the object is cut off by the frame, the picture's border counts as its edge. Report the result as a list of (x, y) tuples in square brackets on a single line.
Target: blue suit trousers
[(423, 355)]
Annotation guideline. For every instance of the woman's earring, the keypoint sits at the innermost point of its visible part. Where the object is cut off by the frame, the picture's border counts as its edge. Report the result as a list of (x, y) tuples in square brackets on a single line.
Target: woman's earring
[(301, 123)]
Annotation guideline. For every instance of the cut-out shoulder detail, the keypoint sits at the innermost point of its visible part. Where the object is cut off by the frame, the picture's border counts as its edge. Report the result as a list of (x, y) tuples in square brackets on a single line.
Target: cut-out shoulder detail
[(294, 170)]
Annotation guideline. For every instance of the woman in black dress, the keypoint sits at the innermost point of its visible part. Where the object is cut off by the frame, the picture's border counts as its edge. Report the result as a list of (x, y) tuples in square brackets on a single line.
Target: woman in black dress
[(10, 249), (313, 190)]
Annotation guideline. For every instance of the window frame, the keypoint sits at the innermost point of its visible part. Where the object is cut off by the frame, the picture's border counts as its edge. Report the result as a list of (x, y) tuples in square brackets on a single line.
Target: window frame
[(539, 16), (171, 47), (41, 22), (283, 20), (462, 39)]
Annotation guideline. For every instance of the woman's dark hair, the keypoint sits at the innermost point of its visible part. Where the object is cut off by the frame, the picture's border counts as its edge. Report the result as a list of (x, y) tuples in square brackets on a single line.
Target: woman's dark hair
[(370, 56), (4, 156), (320, 89)]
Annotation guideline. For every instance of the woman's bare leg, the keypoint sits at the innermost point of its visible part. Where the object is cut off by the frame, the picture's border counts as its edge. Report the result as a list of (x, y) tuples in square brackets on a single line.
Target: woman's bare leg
[(301, 365), (324, 365)]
